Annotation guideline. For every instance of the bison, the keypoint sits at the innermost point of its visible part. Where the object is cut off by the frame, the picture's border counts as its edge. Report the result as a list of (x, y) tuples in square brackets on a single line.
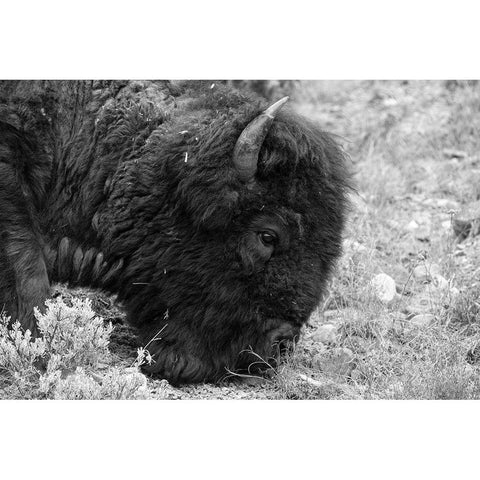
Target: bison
[(215, 218)]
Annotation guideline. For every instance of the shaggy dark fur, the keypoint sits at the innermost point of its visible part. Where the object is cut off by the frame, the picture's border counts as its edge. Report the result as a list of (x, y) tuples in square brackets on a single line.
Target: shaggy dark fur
[(130, 187)]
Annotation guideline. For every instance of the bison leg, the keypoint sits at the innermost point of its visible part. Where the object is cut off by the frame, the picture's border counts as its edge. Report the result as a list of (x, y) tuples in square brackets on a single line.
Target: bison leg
[(23, 276)]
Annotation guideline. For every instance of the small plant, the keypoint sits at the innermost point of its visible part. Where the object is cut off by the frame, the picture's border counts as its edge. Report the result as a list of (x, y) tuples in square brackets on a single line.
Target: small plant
[(63, 362)]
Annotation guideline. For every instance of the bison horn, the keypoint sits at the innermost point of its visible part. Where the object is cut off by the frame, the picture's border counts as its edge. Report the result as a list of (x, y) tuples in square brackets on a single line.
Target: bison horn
[(245, 153)]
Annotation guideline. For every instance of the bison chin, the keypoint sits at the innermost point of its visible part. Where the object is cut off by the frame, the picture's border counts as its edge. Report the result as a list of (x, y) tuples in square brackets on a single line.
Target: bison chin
[(187, 361)]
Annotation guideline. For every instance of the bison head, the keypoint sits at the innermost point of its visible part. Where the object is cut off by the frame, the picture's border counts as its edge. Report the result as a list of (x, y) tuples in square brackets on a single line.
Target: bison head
[(227, 226)]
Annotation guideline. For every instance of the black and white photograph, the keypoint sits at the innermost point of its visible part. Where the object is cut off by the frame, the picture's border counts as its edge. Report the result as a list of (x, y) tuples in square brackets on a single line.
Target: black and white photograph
[(239, 240), (264, 239)]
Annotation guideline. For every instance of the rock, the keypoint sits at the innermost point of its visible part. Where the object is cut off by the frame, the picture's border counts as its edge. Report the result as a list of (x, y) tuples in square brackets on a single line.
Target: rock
[(447, 225), (440, 282), (454, 291), (425, 271), (352, 246), (419, 305), (254, 381), (390, 102), (443, 203), (384, 287), (467, 221), (446, 203), (422, 234), (356, 375), (338, 362), (310, 381), (413, 225), (452, 153), (387, 322), (422, 218), (325, 334), (423, 320), (400, 274)]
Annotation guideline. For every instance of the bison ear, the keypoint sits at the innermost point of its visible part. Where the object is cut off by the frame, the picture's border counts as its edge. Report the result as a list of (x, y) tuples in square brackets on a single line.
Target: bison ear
[(247, 148)]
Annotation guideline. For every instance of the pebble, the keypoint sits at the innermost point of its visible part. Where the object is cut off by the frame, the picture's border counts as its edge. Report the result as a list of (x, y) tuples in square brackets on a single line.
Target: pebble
[(467, 220), (400, 274), (419, 305), (413, 225), (447, 225), (440, 282), (423, 320), (254, 381), (453, 153), (353, 246), (422, 234), (444, 203), (425, 271), (325, 334), (384, 287)]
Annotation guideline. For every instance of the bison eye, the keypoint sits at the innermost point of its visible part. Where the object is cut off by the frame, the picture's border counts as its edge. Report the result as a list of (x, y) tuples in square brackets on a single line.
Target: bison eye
[(268, 238)]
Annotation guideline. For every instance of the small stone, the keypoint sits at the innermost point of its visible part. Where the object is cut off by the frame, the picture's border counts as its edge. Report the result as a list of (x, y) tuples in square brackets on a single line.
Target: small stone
[(254, 381), (423, 320), (453, 153), (356, 375), (419, 305), (422, 234), (384, 287), (353, 246), (446, 203), (325, 334), (425, 271), (440, 282), (467, 221), (413, 225), (454, 292), (400, 274), (386, 322), (447, 225), (310, 381), (337, 362), (390, 102), (443, 203)]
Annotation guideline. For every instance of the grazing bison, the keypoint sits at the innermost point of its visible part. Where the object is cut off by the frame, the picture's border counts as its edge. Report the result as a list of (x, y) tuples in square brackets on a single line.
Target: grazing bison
[(216, 220)]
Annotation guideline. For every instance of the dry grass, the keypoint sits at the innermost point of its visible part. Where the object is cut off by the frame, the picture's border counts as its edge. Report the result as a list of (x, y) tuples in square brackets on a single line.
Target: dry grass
[(397, 134)]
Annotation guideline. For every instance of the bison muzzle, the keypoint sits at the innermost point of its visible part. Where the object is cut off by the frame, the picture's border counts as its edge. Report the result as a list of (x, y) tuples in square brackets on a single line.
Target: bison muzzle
[(215, 218)]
